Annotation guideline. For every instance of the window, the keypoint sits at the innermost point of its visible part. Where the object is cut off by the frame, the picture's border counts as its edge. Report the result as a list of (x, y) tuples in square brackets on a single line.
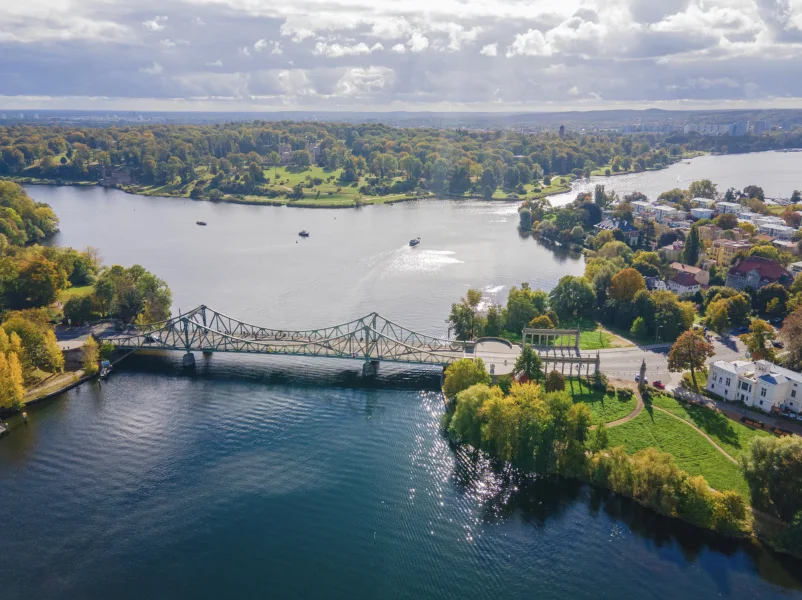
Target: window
[(762, 393), (720, 380), (728, 382), (761, 403), (793, 393), (712, 386)]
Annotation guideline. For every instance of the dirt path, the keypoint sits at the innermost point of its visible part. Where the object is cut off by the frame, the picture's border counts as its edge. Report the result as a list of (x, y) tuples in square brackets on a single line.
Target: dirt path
[(707, 437), (630, 416)]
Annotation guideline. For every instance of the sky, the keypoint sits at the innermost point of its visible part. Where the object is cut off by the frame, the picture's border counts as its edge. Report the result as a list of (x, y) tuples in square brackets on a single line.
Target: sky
[(476, 55)]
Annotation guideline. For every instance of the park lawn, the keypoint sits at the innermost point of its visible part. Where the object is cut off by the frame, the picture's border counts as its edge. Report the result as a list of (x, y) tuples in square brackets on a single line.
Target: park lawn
[(604, 408), (691, 451), (732, 436), (75, 292)]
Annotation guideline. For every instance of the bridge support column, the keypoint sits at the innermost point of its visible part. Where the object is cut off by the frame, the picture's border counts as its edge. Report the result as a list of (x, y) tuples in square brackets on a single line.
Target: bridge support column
[(370, 368), (206, 353), (188, 360)]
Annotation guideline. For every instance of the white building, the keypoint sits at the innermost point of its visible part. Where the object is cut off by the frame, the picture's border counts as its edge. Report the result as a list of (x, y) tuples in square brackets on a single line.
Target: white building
[(641, 208), (779, 231), (703, 202), (761, 384), (729, 207), (796, 268), (663, 214), (683, 283), (702, 213)]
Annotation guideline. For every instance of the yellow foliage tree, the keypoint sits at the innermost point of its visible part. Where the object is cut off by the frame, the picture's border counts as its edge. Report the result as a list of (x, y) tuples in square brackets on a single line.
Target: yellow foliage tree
[(91, 354)]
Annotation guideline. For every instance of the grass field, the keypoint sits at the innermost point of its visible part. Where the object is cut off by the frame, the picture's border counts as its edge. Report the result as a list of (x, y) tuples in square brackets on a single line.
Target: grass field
[(732, 436), (604, 408), (692, 452), (75, 292)]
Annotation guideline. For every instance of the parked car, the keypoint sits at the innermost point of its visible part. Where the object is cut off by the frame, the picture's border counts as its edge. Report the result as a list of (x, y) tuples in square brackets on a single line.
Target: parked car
[(645, 380), (659, 385), (778, 344)]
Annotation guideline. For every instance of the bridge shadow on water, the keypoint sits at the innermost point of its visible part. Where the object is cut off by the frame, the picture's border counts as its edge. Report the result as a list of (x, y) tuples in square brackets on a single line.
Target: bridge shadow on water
[(284, 370), (504, 492)]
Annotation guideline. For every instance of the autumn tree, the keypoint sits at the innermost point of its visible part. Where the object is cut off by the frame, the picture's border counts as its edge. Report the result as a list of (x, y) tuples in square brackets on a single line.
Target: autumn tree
[(463, 373), (758, 340), (690, 351), (528, 364), (625, 284), (791, 334), (555, 381), (90, 356)]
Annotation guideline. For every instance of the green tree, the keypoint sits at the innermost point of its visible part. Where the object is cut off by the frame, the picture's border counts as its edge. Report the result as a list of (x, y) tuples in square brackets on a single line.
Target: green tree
[(555, 382), (773, 470), (573, 297), (523, 305), (463, 373), (703, 189), (690, 351), (625, 284), (639, 329), (528, 364), (693, 246)]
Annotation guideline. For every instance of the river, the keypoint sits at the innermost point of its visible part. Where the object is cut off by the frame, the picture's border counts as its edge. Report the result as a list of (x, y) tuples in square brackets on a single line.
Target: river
[(288, 478), (778, 173)]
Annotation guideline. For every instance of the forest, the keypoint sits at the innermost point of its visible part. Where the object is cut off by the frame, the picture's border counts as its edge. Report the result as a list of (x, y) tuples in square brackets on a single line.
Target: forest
[(290, 161)]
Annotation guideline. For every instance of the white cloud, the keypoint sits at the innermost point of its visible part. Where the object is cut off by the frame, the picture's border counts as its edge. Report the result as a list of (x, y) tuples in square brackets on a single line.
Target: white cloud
[(489, 50), (359, 81), (155, 69), (400, 48), (262, 44), (198, 21), (336, 50), (215, 63), (531, 43), (418, 42), (168, 43), (245, 51), (157, 23)]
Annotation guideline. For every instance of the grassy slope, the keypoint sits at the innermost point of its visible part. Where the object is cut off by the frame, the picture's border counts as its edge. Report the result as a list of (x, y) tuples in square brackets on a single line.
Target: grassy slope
[(732, 436), (75, 292), (692, 452), (604, 408)]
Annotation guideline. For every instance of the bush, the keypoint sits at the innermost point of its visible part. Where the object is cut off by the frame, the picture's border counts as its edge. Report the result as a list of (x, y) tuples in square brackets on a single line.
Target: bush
[(600, 381), (610, 390), (625, 393), (555, 382), (701, 379)]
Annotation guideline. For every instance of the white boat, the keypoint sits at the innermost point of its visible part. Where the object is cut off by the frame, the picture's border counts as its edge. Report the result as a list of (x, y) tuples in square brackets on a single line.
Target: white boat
[(414, 242)]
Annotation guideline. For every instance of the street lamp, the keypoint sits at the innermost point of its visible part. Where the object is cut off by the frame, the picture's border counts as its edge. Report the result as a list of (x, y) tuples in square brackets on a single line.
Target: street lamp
[(657, 333)]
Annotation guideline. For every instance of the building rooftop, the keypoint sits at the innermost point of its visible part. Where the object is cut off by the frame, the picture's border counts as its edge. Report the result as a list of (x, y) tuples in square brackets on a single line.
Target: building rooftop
[(610, 224), (766, 268), (684, 279), (678, 266)]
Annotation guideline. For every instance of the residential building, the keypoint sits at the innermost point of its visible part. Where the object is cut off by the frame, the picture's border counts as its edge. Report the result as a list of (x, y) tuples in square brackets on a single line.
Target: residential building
[(729, 207), (748, 216), (663, 214), (796, 268), (778, 231), (703, 202), (764, 237), (655, 284), (701, 276), (628, 229), (759, 384), (683, 283), (702, 213), (739, 129), (640, 207), (788, 246), (673, 251), (709, 232), (755, 272), (725, 250)]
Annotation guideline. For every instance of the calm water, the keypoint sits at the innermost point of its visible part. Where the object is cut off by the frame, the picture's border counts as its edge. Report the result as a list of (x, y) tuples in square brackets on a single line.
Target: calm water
[(285, 478), (778, 173)]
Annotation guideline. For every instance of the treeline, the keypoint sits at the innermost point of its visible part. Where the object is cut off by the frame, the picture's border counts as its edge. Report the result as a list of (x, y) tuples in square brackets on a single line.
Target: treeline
[(33, 278), (550, 434), (390, 159)]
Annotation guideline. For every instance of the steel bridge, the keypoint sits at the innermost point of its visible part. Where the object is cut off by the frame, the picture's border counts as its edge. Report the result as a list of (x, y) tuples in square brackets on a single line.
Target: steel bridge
[(371, 338)]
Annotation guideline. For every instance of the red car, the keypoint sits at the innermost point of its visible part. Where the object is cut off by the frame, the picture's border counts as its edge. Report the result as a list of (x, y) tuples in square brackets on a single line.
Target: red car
[(659, 385)]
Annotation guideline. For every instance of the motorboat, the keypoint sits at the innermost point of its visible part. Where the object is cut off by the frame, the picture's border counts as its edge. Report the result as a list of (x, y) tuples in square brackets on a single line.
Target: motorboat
[(105, 369), (304, 233), (203, 223), (414, 242)]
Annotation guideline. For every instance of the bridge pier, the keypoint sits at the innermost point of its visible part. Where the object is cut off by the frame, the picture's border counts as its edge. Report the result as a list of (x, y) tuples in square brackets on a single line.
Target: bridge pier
[(188, 360), (370, 368)]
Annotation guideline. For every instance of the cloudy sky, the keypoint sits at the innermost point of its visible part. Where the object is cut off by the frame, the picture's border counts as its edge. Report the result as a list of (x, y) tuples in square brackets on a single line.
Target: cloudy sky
[(399, 55)]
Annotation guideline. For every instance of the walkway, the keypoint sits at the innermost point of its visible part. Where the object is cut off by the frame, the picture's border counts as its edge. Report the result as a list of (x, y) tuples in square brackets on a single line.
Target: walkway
[(707, 437), (634, 413)]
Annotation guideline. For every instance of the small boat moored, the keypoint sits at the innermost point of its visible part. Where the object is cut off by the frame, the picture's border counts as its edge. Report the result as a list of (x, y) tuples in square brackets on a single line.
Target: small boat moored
[(105, 369), (304, 233), (203, 223), (414, 242)]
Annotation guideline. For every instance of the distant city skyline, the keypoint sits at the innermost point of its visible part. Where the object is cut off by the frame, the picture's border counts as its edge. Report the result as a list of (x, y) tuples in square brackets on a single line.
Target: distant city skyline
[(448, 55)]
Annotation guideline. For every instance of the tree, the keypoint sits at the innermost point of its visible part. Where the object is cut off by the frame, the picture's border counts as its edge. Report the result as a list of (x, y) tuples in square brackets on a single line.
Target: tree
[(463, 317), (690, 351), (38, 282), (528, 364), (639, 329), (600, 439), (463, 373), (573, 297), (487, 194), (523, 305), (773, 471), (12, 390), (758, 340), (90, 356), (703, 189), (693, 245), (494, 320), (625, 284), (555, 382), (38, 347), (791, 334), (541, 322), (726, 221), (754, 191), (718, 317), (768, 293)]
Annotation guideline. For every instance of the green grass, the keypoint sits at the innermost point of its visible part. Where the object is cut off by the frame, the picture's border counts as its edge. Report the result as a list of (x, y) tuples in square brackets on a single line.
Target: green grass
[(692, 452), (604, 408), (732, 436), (76, 292)]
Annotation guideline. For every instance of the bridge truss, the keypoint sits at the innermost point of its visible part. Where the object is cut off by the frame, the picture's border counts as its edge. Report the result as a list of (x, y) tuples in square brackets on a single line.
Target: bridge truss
[(370, 338)]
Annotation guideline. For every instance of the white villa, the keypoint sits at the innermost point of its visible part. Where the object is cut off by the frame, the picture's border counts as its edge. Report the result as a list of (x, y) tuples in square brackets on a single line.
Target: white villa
[(729, 207), (663, 213), (761, 384), (702, 213), (703, 202)]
